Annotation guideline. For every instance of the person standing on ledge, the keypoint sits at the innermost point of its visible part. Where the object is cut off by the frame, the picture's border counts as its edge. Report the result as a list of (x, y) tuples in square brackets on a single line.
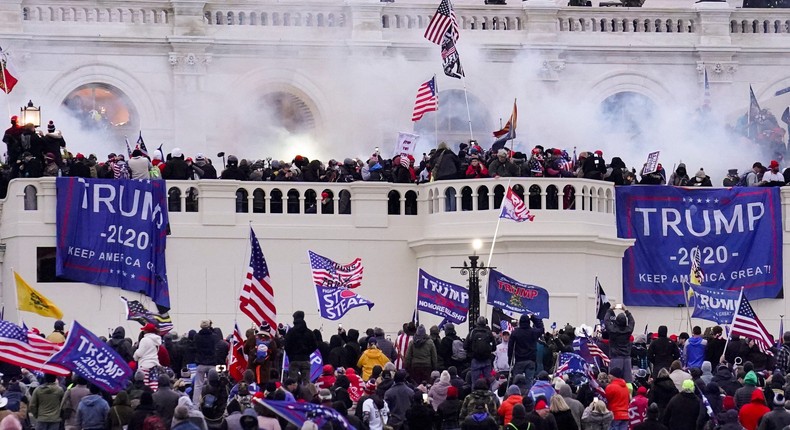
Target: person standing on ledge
[(620, 329)]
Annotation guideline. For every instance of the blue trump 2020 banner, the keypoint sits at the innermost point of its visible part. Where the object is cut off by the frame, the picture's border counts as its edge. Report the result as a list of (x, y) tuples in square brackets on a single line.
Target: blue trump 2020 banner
[(738, 232), (442, 298), (507, 293), (113, 233), (86, 355), (713, 304)]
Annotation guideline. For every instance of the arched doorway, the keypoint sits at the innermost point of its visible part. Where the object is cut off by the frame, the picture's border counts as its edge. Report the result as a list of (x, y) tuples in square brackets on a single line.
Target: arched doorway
[(627, 112), (286, 111), (102, 107), (453, 121)]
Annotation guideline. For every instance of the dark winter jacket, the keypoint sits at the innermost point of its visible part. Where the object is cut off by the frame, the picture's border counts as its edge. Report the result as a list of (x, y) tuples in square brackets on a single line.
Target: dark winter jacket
[(662, 352), (300, 342), (682, 411), (121, 345), (479, 421), (446, 165), (421, 353), (480, 331), (448, 413), (92, 412), (620, 329), (777, 419), (176, 168), (523, 341), (724, 378), (663, 391), (205, 346)]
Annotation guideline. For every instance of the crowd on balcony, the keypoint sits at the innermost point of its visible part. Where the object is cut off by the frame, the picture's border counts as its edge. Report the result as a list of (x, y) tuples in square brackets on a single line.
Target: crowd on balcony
[(32, 153)]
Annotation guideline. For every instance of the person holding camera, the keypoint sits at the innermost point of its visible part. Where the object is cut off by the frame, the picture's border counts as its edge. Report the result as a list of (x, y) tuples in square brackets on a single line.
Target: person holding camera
[(522, 347), (205, 357), (620, 328)]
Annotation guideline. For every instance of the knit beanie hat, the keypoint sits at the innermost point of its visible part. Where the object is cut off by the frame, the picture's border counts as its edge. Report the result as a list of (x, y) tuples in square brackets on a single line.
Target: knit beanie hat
[(688, 385), (750, 379), (513, 390), (51, 127)]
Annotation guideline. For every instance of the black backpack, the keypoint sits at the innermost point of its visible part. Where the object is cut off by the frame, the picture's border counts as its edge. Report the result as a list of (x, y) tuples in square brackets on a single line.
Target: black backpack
[(480, 344)]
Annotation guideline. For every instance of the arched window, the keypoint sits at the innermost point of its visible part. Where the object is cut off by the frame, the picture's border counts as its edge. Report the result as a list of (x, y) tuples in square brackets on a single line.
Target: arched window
[(258, 201), (31, 198), (242, 205), (628, 113), (453, 121), (534, 197), (174, 200), (192, 200), (466, 199), (482, 198), (411, 203), (293, 201), (276, 202), (393, 203), (287, 111), (310, 202), (499, 194), (552, 197), (344, 207), (328, 204), (102, 107), (449, 200), (569, 197)]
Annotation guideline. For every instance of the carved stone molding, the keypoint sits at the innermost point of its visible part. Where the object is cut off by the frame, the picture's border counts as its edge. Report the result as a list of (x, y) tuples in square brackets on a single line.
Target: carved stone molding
[(718, 71), (550, 69), (189, 62)]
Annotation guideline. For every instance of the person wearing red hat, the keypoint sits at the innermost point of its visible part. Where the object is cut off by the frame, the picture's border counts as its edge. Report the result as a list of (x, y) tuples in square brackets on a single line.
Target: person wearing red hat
[(637, 409), (773, 178), (79, 168), (147, 354)]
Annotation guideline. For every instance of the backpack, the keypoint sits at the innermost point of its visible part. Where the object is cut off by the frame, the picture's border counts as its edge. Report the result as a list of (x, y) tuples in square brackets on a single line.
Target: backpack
[(261, 351), (459, 353), (154, 422), (480, 344), (210, 405), (742, 182)]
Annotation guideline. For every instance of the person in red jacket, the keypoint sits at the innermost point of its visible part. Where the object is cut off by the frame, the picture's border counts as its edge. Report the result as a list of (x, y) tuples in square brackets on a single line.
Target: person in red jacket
[(750, 413), (637, 410), (476, 169), (618, 397)]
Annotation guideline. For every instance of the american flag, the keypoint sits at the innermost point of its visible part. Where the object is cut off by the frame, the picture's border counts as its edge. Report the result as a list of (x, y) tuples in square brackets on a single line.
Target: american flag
[(135, 311), (597, 352), (569, 362), (25, 348), (443, 21), (426, 101), (141, 144), (327, 273), (505, 325), (745, 323), (257, 294), (297, 413)]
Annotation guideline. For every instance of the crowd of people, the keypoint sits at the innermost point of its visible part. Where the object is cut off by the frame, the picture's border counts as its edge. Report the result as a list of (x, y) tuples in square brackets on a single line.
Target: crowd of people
[(31, 153), (420, 379)]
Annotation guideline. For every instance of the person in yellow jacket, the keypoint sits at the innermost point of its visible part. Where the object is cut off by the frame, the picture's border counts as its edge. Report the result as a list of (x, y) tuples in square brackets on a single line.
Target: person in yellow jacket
[(58, 335), (371, 358)]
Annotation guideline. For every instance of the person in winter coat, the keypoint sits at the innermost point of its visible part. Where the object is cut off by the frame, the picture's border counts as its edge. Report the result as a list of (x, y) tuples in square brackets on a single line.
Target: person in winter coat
[(165, 399), (597, 416), (617, 397), (750, 414), (420, 415), (144, 410), (120, 414), (577, 409), (522, 346), (743, 395), (778, 418), (725, 379), (562, 414), (421, 356), (45, 404), (679, 177), (92, 410), (502, 166), (147, 353), (176, 167), (677, 374), (620, 329), (444, 163), (713, 393), (479, 419), (375, 412), (637, 409), (542, 388), (663, 390), (205, 357), (370, 358), (445, 351), (512, 398), (481, 399), (651, 421), (662, 352), (300, 342), (700, 179), (121, 344), (438, 392), (707, 375), (682, 411), (448, 412), (476, 169), (480, 344), (519, 421), (695, 349)]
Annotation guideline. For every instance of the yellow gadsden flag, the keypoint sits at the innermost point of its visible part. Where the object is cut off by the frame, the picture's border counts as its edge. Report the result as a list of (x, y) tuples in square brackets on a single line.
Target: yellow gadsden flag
[(31, 300)]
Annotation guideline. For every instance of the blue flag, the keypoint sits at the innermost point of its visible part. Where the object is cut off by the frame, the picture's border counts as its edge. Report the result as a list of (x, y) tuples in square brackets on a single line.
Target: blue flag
[(316, 364), (442, 298), (713, 304), (334, 302), (297, 413), (509, 294), (738, 232), (570, 363), (113, 233), (86, 355)]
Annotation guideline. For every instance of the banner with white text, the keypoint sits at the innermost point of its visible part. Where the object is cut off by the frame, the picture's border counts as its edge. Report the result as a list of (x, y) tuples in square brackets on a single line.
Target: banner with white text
[(738, 232), (113, 233)]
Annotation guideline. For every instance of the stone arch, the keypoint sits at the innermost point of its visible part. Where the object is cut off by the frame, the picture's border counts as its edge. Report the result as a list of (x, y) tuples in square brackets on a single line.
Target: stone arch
[(628, 81), (31, 198), (310, 201), (453, 121), (98, 106), (430, 200), (191, 202), (393, 203), (293, 201), (482, 198), (628, 112), (534, 200), (499, 195), (242, 201), (329, 207), (174, 199), (276, 201), (411, 203), (258, 201), (148, 110), (466, 198)]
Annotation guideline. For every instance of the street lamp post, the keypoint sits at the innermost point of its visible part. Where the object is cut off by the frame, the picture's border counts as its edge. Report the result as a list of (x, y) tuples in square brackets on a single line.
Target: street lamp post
[(30, 114), (474, 270)]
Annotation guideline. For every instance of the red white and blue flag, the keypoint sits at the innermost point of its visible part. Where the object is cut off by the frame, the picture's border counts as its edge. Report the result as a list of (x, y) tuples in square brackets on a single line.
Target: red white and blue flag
[(569, 363), (298, 413), (257, 294), (745, 323), (26, 349), (514, 208), (443, 23), (237, 360), (327, 273), (426, 101)]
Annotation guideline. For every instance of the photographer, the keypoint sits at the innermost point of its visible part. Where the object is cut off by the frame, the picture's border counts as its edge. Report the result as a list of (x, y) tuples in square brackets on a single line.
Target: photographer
[(620, 329)]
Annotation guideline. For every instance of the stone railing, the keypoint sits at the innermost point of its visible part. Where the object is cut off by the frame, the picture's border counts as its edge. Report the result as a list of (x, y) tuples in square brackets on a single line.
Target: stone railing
[(395, 16), (627, 20), (277, 15), (95, 12), (758, 21)]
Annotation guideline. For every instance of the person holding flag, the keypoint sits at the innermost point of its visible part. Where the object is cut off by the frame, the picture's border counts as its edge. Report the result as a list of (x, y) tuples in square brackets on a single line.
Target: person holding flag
[(523, 345), (620, 329)]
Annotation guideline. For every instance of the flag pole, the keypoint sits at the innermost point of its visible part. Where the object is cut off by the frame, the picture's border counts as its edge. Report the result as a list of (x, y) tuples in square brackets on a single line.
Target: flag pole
[(5, 84), (468, 112), (436, 114), (729, 333), (686, 298), (491, 254)]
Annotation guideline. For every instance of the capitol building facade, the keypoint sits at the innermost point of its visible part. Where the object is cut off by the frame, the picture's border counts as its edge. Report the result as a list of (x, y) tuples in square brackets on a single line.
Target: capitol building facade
[(331, 79)]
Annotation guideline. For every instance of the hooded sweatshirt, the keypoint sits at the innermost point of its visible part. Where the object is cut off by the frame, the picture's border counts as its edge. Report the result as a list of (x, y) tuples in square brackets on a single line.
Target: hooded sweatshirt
[(707, 376), (421, 351), (522, 345), (369, 359), (92, 412), (120, 344), (147, 354), (695, 351), (750, 414)]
